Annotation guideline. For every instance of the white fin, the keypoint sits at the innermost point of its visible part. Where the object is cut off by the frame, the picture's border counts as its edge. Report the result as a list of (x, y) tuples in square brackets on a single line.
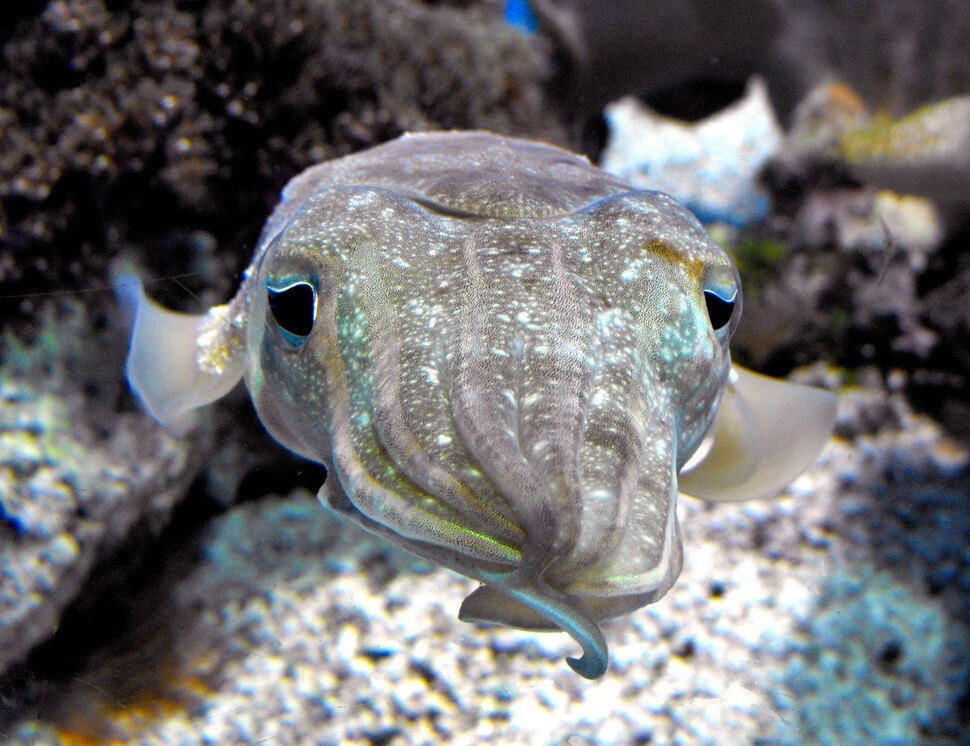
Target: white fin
[(765, 434), (162, 367)]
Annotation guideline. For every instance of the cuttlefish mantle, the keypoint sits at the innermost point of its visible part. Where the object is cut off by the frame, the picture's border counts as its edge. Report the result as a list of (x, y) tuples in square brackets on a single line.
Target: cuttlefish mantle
[(505, 358)]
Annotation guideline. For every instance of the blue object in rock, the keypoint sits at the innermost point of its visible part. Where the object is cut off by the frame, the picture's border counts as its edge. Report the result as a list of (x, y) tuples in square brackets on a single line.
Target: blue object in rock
[(519, 15)]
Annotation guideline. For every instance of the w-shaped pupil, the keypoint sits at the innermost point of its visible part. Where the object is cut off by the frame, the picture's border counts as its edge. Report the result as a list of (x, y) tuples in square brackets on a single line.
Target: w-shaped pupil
[(293, 308), (718, 309)]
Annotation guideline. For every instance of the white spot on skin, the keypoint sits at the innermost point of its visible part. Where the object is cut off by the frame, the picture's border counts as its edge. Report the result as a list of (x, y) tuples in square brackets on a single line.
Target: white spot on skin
[(531, 400), (365, 199)]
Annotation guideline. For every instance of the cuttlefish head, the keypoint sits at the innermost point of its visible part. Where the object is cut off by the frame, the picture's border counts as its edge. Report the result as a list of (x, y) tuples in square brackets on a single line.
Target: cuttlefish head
[(511, 393)]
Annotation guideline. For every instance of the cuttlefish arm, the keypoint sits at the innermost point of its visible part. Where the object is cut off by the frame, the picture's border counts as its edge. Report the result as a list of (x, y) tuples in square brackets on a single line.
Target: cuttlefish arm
[(752, 451), (518, 605), (177, 362), (757, 445)]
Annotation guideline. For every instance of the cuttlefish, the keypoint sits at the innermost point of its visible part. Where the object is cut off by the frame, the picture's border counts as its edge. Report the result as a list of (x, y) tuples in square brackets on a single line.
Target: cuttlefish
[(506, 359)]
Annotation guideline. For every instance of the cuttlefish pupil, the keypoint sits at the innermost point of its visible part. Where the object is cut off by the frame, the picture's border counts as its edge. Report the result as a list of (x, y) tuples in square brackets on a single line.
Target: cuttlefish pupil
[(505, 358), (294, 310)]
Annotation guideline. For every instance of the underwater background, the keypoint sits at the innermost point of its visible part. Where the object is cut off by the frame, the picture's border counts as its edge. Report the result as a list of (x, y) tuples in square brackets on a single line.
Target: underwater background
[(163, 589)]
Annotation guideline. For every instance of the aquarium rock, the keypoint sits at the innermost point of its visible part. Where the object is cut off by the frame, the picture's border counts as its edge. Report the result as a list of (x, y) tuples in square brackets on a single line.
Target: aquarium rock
[(711, 166), (925, 152), (296, 627), (109, 110), (74, 491)]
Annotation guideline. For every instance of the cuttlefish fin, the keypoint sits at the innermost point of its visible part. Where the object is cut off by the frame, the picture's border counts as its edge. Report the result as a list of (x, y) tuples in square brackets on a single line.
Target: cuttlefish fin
[(163, 367), (766, 432)]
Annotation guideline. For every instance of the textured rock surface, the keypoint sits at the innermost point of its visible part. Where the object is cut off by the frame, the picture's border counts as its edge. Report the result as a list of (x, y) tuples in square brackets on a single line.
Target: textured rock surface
[(924, 152), (818, 617), (78, 482), (866, 275), (136, 125), (711, 166), (836, 274)]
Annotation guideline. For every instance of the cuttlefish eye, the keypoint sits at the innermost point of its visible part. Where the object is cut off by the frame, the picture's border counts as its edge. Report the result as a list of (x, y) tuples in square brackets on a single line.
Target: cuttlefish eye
[(719, 308), (294, 307)]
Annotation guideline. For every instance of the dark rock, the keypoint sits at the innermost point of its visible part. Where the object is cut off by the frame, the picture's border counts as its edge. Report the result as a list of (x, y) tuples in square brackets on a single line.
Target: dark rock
[(124, 126)]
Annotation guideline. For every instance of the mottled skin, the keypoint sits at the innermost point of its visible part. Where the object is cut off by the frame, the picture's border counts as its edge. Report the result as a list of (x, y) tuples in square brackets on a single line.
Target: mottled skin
[(510, 360)]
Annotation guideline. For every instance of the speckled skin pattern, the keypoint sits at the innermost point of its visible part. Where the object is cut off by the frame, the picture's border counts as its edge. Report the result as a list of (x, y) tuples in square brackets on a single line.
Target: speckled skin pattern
[(510, 360)]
